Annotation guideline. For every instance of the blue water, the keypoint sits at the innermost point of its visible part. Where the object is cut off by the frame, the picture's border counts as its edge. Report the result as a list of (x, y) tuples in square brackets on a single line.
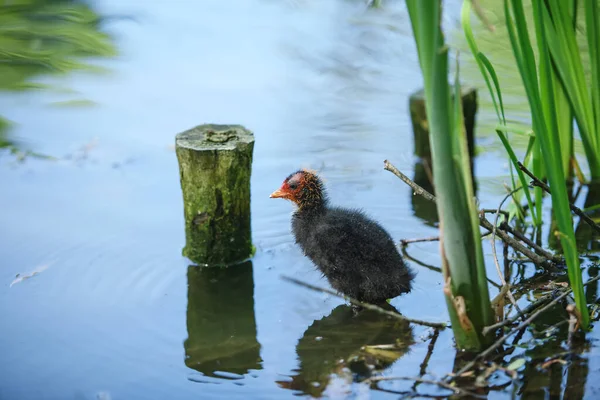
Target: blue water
[(323, 84)]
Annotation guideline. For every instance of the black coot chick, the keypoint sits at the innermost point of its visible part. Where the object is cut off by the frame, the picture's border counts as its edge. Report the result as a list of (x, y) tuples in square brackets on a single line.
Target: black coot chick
[(358, 257)]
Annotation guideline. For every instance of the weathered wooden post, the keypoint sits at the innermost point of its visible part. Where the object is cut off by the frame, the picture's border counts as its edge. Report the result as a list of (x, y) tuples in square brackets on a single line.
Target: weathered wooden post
[(421, 127), (215, 163)]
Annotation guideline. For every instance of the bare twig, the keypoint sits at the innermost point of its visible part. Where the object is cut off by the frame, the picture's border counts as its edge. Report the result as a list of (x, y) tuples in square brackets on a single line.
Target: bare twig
[(455, 389), (515, 244), (438, 325), (485, 234), (405, 242), (482, 220), (416, 188), (419, 262), (536, 181), (574, 208), (538, 249)]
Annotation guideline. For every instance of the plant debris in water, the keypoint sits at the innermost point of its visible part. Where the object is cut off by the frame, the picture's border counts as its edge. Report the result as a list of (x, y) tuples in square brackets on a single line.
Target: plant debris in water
[(24, 276)]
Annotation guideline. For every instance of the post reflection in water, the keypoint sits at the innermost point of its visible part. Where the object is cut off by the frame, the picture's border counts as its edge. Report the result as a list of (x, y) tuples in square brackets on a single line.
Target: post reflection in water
[(347, 344), (220, 321), (422, 208), (425, 209)]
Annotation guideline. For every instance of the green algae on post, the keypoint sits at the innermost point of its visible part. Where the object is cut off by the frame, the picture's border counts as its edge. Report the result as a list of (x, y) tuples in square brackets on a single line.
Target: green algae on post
[(215, 165)]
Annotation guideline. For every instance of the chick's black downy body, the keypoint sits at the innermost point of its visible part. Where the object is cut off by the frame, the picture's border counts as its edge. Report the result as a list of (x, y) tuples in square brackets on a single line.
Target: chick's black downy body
[(358, 257), (356, 254)]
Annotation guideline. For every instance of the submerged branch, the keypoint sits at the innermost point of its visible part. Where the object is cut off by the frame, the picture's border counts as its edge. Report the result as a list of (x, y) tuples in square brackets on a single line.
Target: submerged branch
[(438, 325), (505, 337), (425, 363), (457, 390), (520, 327)]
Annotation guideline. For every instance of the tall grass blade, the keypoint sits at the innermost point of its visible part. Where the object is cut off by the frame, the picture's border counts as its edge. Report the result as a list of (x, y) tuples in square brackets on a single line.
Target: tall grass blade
[(561, 40), (462, 257), (489, 74), (540, 94)]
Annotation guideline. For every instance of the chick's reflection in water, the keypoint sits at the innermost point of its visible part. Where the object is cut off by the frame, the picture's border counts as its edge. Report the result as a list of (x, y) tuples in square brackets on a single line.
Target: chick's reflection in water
[(349, 345), (220, 321)]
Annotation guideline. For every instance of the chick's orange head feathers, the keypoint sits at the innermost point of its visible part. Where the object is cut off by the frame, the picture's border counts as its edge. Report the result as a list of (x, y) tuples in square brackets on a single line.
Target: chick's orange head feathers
[(293, 185)]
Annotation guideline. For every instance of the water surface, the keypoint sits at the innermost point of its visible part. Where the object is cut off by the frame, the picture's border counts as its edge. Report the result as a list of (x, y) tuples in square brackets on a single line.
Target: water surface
[(115, 310)]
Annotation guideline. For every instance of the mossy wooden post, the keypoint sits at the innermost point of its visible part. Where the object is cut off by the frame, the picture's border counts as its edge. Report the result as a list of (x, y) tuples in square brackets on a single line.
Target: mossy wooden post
[(215, 163), (421, 127)]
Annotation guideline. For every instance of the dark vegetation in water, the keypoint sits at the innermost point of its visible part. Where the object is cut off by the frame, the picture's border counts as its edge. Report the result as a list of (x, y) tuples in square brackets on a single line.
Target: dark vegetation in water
[(549, 320), (40, 37), (554, 76)]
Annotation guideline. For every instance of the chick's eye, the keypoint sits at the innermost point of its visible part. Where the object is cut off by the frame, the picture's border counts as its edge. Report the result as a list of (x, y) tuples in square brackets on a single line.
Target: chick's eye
[(293, 185)]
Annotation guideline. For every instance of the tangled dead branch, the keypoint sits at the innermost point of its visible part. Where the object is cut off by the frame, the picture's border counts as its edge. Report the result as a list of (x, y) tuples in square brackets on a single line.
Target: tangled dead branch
[(483, 221), (519, 242), (534, 314)]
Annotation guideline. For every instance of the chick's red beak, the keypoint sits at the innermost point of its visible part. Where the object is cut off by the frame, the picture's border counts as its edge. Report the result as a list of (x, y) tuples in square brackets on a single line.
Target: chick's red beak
[(279, 193)]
